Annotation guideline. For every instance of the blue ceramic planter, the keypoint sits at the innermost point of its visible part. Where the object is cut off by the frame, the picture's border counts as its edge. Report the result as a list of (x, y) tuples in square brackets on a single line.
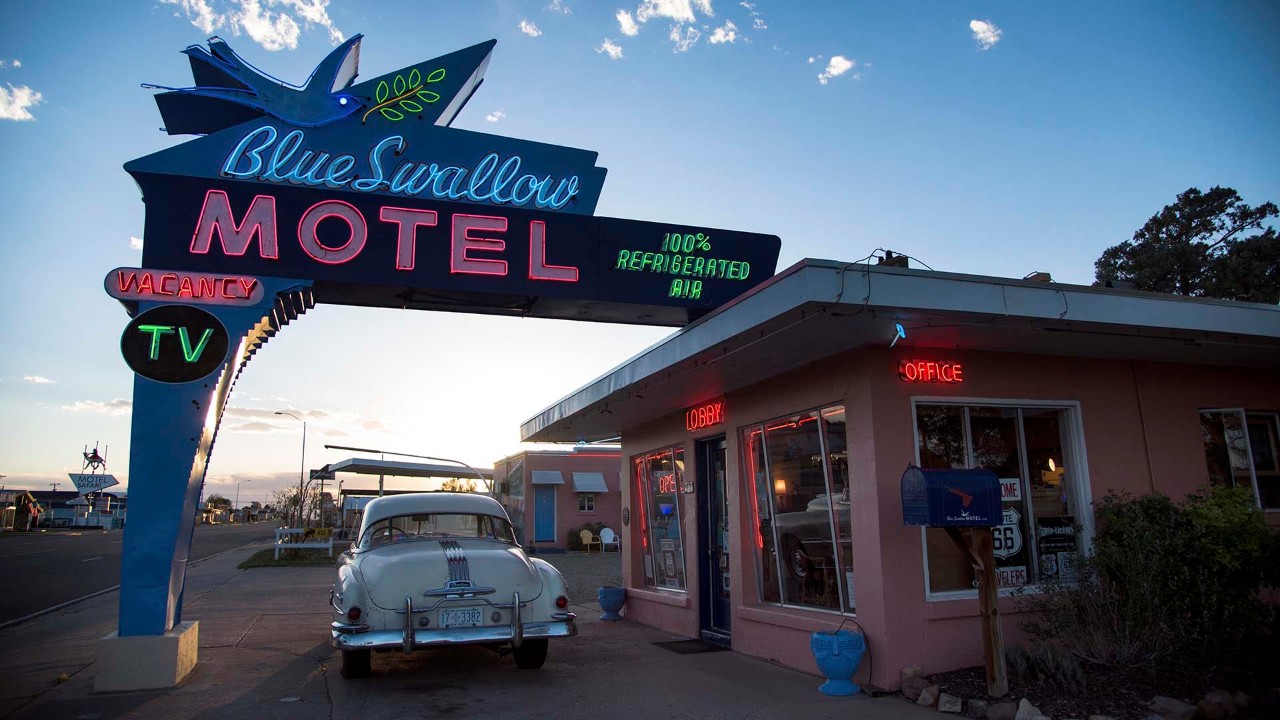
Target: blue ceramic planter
[(611, 601), (838, 655)]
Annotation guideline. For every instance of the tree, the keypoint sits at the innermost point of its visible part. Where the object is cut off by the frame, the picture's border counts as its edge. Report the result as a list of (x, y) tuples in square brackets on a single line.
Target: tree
[(217, 501), (1201, 246), (459, 485)]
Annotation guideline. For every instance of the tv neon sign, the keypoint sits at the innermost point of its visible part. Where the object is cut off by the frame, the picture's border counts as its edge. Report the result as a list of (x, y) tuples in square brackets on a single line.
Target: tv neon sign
[(704, 416), (929, 371), (136, 284)]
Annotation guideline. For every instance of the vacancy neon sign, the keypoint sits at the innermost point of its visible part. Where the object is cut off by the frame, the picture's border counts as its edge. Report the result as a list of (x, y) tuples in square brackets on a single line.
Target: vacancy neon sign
[(167, 285), (930, 371)]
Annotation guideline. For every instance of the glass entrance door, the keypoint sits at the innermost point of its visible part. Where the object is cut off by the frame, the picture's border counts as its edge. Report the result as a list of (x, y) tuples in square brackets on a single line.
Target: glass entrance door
[(713, 542)]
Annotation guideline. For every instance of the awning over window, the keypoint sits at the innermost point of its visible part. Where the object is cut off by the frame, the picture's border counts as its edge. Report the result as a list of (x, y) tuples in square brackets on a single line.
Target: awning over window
[(548, 477), (592, 482)]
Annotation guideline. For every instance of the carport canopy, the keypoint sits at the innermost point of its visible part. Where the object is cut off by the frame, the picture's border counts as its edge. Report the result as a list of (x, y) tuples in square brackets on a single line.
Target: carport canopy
[(400, 468)]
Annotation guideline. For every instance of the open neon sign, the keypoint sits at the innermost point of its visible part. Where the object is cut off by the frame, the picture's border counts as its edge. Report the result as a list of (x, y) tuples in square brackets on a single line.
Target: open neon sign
[(704, 416), (930, 371)]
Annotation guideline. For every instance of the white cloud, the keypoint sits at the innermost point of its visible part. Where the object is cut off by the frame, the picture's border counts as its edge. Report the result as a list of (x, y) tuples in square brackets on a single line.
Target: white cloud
[(558, 6), (812, 59), (3, 64), (836, 66), (495, 116), (119, 406), (16, 102), (687, 39), (135, 243), (726, 33), (38, 379), (758, 24), (529, 29), (17, 63), (985, 32), (273, 24), (627, 23), (610, 48)]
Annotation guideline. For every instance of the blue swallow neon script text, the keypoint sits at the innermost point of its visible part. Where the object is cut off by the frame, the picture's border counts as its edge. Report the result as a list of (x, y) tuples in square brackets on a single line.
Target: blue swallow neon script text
[(494, 180)]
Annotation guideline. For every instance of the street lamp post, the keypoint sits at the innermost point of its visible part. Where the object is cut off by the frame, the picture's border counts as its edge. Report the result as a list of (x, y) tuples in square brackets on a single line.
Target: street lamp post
[(236, 507), (302, 470)]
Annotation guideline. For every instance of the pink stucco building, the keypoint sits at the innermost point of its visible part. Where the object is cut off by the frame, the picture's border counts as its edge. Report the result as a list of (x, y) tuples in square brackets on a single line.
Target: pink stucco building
[(763, 446), (549, 493)]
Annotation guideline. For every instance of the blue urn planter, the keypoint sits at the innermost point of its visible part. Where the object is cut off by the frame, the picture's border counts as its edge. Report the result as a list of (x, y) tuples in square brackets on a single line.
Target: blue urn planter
[(611, 601), (838, 655)]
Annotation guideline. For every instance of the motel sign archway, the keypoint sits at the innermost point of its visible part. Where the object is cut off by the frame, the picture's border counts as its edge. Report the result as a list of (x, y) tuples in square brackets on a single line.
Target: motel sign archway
[(357, 194)]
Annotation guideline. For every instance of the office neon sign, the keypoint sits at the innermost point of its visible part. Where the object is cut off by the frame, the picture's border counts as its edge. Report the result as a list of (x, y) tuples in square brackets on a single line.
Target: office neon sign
[(930, 371)]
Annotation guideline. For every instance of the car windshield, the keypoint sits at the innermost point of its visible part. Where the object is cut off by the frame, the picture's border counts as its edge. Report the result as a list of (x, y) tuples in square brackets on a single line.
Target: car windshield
[(405, 528)]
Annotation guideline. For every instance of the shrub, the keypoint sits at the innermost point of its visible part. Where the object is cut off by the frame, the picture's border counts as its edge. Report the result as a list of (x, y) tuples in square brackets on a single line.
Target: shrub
[(1046, 663), (573, 539), (1171, 588)]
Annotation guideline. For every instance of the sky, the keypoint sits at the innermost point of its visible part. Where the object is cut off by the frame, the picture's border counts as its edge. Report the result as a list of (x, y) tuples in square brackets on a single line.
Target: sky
[(994, 138)]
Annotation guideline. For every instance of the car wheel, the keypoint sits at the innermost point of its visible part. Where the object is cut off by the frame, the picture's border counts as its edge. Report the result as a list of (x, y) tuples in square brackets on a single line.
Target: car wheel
[(531, 654), (356, 663), (797, 561)]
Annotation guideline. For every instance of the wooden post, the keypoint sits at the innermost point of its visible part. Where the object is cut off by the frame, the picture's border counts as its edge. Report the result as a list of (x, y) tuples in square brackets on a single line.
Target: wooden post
[(981, 554)]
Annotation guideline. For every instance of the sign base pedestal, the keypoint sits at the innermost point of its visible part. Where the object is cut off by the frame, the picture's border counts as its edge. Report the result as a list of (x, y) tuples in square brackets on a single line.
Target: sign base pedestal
[(147, 662)]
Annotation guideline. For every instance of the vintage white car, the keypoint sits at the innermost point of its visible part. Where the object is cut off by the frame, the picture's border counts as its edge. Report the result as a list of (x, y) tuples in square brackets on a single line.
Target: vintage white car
[(433, 569)]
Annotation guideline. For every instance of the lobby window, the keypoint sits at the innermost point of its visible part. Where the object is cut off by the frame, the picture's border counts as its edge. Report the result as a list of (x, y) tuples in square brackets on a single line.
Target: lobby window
[(1242, 449), (799, 467), (1028, 449), (658, 477), (586, 502)]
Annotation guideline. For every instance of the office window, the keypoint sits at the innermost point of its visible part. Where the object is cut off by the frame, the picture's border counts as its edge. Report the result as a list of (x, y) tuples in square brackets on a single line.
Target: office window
[(586, 502), (1027, 448), (1242, 448)]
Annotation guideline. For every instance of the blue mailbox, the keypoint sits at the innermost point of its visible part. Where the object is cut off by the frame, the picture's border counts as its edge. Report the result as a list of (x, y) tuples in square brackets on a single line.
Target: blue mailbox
[(955, 498)]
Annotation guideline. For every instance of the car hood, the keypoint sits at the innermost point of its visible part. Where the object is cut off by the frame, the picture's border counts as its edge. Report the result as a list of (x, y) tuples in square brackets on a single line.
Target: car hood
[(412, 568)]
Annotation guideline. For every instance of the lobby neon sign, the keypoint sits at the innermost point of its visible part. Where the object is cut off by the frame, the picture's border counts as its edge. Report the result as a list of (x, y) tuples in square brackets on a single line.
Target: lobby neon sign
[(704, 416), (930, 371)]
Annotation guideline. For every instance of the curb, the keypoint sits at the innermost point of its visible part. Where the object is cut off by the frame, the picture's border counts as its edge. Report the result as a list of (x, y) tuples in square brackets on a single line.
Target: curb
[(113, 588)]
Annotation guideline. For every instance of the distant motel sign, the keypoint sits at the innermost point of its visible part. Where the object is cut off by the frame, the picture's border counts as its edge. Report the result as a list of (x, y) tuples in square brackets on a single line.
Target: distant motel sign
[(365, 191)]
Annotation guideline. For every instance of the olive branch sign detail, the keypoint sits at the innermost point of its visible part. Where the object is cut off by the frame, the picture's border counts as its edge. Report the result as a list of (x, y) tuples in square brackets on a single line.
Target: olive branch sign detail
[(403, 93)]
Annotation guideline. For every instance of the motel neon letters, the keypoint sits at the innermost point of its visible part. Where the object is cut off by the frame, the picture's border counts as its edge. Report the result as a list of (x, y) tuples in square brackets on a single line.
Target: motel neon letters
[(704, 416), (470, 234)]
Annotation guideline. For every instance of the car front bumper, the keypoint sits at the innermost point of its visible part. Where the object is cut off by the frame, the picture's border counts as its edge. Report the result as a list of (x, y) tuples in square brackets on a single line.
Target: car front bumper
[(352, 637)]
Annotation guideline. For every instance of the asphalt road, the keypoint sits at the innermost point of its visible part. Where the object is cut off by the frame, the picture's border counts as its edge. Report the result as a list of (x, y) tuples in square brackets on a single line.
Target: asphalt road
[(42, 569)]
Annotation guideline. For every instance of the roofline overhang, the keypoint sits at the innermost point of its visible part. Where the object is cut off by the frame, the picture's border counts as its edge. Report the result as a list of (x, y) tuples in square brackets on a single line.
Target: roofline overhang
[(918, 296)]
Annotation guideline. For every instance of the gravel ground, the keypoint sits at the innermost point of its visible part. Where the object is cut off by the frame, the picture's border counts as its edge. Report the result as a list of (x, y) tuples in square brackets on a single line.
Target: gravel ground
[(586, 573)]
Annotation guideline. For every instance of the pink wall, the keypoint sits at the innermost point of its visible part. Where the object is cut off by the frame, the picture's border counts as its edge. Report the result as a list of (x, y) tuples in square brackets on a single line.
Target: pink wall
[(608, 506), (1138, 421)]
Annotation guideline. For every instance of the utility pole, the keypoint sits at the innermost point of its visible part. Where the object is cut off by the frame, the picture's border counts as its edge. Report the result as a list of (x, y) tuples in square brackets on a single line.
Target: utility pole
[(55, 486)]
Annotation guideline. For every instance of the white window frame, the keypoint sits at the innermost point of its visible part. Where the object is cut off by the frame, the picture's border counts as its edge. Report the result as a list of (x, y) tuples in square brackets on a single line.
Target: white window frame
[(1075, 456), (586, 498)]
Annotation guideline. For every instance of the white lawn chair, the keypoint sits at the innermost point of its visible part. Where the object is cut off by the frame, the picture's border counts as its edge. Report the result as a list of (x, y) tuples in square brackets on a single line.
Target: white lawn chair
[(607, 538)]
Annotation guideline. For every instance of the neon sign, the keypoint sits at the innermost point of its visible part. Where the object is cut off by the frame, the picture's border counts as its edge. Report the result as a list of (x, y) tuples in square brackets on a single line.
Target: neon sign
[(174, 344), (139, 284), (494, 179), (666, 484), (929, 371), (674, 259), (704, 416)]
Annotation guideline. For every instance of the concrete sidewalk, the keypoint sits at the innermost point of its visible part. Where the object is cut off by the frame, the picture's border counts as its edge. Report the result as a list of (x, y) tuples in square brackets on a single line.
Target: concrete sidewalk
[(264, 654)]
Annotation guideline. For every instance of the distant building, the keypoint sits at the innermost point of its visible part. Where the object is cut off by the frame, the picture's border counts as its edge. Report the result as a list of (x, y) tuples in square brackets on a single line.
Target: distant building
[(550, 493), (68, 508)]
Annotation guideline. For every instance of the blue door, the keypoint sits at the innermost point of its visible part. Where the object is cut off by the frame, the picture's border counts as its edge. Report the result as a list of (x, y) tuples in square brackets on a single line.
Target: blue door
[(544, 513)]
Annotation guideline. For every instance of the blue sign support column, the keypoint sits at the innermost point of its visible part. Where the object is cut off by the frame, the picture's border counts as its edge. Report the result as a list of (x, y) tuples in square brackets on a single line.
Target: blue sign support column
[(174, 428)]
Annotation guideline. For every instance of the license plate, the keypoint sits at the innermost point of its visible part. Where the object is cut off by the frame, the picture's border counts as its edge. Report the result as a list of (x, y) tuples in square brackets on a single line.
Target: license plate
[(460, 617)]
